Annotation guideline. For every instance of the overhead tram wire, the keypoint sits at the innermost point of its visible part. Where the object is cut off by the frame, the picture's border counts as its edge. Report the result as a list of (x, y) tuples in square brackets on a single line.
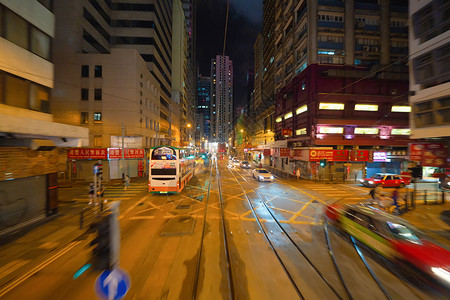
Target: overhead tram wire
[(226, 27)]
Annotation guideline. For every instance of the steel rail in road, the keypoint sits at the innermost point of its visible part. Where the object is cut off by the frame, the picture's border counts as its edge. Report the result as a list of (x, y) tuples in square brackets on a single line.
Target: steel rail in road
[(226, 246), (297, 289)]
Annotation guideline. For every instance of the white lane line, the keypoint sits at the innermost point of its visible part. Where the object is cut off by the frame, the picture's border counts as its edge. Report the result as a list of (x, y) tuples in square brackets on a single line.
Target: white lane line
[(356, 188), (133, 206), (36, 269)]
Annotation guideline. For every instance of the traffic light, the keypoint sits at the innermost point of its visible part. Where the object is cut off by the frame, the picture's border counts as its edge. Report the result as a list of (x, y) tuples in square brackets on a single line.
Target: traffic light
[(416, 172), (323, 162), (102, 242)]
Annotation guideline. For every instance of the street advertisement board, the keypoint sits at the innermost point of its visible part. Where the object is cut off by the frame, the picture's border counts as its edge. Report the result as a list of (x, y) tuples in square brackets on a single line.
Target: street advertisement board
[(428, 154)]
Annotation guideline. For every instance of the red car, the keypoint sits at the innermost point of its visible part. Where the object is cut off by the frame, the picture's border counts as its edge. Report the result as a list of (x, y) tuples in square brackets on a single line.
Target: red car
[(385, 180), (394, 238)]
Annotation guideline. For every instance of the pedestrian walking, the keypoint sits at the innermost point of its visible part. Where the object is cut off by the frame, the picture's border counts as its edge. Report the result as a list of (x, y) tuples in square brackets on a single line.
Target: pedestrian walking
[(91, 192), (127, 182), (395, 198), (297, 172)]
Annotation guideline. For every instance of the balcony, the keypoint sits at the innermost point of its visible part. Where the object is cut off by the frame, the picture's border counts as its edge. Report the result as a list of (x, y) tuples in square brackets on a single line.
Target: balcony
[(329, 24), (366, 6), (335, 3), (403, 30), (330, 45)]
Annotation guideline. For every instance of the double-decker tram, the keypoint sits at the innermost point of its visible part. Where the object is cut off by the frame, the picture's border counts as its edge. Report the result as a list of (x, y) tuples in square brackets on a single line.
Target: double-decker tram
[(171, 168)]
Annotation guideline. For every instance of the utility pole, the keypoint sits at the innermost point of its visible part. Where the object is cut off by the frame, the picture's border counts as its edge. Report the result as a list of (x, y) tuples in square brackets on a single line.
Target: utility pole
[(123, 152)]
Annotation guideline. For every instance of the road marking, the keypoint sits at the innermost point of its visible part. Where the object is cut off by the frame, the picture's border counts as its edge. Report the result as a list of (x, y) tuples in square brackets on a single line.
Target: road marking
[(12, 266), (36, 269), (354, 187), (133, 206), (142, 218)]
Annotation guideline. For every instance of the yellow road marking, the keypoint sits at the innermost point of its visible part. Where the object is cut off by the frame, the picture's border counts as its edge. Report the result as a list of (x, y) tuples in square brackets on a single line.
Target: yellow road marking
[(36, 269)]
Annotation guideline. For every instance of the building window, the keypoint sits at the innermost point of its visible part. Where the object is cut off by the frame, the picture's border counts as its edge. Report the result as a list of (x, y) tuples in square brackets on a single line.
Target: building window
[(98, 141), (39, 98), (98, 71), (331, 106), (401, 108), (16, 29), (324, 129), (40, 43), (288, 115), (397, 131), (84, 71), (84, 94), (98, 94), (301, 131), (360, 130), (16, 92), (366, 107), (98, 117), (301, 109), (84, 118)]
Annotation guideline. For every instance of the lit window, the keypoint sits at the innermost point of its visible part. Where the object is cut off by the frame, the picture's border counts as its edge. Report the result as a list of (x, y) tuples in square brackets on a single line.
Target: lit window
[(359, 130), (332, 106), (397, 131), (279, 119), (288, 115), (401, 108), (301, 109), (300, 131), (97, 117), (331, 130), (366, 107)]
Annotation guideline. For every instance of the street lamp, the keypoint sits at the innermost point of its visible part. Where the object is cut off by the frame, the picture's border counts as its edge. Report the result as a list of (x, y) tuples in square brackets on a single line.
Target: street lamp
[(242, 130), (189, 125)]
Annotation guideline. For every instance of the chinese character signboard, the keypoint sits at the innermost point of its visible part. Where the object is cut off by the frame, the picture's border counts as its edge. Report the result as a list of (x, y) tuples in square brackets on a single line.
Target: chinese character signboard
[(359, 155), (266, 152), (286, 132), (316, 155), (87, 153), (284, 152), (380, 156), (430, 154), (129, 153)]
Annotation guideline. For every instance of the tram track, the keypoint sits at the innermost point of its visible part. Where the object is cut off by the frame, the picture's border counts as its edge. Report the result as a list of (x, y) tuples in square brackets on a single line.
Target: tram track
[(285, 233)]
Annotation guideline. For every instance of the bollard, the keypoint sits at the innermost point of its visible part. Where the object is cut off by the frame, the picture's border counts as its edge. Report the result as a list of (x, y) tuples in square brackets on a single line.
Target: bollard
[(425, 197)]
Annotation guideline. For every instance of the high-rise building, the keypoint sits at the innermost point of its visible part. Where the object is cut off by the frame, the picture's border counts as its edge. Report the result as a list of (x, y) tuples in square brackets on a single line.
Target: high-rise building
[(340, 82), (203, 106), (429, 70), (113, 70), (32, 145), (221, 99)]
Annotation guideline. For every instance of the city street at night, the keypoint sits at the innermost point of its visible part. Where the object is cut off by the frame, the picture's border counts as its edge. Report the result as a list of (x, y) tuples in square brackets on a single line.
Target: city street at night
[(226, 235)]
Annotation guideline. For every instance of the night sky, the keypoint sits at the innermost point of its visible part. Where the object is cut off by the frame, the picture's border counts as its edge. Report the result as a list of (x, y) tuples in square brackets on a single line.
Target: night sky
[(244, 23)]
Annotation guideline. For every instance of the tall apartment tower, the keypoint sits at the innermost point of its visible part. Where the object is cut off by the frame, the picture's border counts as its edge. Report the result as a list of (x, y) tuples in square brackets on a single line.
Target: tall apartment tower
[(203, 106), (429, 69), (32, 144), (221, 98), (364, 33)]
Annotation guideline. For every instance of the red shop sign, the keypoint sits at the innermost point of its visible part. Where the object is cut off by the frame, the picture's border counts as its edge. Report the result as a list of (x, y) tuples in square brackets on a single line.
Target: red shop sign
[(316, 155), (359, 155), (286, 131), (129, 153), (285, 152), (87, 153), (266, 152)]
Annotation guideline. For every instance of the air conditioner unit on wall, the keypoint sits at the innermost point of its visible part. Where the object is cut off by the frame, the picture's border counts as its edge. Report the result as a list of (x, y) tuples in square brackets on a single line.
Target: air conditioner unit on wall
[(366, 48)]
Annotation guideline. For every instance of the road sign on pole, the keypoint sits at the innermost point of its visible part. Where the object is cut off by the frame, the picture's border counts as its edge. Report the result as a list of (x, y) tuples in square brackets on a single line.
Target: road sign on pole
[(112, 284)]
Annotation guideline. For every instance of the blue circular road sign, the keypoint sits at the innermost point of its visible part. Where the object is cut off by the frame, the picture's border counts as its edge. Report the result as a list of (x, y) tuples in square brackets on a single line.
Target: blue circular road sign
[(112, 284)]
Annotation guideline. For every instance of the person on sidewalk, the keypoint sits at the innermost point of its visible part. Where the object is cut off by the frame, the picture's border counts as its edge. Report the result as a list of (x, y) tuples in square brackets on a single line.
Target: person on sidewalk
[(298, 172), (91, 192), (127, 182), (395, 198)]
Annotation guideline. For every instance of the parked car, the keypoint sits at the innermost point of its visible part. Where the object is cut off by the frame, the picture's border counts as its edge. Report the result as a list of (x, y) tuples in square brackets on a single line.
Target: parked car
[(236, 161), (394, 238), (245, 164), (385, 180), (261, 174)]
